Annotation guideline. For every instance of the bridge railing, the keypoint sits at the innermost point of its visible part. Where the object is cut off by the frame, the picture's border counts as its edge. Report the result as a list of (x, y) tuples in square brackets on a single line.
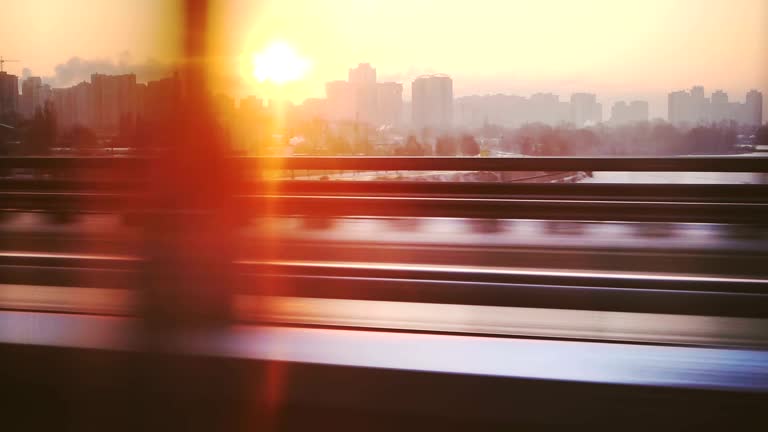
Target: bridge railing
[(109, 184), (376, 163)]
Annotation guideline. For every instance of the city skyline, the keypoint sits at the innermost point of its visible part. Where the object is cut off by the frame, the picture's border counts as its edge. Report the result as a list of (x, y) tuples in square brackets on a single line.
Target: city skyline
[(620, 50), (81, 70), (105, 99), (362, 116)]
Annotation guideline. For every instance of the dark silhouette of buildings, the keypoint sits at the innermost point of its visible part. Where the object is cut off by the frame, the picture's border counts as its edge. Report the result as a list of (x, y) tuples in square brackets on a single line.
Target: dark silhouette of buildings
[(9, 93), (34, 94)]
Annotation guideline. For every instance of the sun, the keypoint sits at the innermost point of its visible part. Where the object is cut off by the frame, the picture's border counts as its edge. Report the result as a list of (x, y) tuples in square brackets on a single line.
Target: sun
[(279, 63)]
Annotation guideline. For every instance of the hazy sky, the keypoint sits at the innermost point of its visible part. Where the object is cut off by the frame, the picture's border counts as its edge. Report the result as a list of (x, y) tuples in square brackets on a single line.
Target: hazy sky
[(630, 48)]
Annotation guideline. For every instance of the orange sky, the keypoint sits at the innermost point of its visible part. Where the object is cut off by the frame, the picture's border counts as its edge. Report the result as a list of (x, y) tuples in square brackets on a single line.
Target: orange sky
[(609, 47)]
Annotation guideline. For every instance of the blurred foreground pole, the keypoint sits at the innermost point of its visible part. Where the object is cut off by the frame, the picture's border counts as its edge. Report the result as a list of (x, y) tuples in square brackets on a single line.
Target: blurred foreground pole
[(188, 282), (190, 244)]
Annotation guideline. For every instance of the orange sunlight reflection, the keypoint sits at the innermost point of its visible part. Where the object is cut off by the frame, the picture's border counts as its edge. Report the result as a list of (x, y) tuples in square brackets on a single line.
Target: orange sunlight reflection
[(279, 63)]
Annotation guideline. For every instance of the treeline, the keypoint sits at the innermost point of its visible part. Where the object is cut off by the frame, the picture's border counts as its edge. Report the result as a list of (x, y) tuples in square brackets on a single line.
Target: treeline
[(445, 145), (338, 145), (35, 136), (653, 139), (42, 135)]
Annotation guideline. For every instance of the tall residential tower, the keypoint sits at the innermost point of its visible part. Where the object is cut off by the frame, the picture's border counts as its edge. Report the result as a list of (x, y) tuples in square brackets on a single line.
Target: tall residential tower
[(432, 102)]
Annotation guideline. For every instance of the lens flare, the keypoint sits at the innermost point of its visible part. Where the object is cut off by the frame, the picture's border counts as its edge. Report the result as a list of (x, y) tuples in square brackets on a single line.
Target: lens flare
[(279, 63)]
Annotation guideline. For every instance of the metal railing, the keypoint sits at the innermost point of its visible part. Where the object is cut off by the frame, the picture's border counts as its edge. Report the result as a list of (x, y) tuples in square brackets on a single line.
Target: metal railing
[(732, 204), (374, 163), (76, 184)]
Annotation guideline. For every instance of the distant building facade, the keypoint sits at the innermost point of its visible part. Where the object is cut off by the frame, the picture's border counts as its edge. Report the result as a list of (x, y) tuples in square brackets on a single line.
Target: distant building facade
[(389, 103), (114, 101), (340, 103), (74, 105), (432, 102), (499, 109), (361, 99), (693, 107), (362, 82), (678, 107), (548, 109), (313, 108), (632, 112), (512, 111), (108, 104), (720, 108), (161, 99), (585, 110), (753, 107), (9, 93), (34, 95), (699, 106)]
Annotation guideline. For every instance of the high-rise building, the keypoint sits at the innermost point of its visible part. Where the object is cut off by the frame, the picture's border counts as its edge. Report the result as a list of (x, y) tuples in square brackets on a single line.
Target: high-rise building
[(753, 108), (720, 108), (361, 99), (9, 93), (432, 99), (114, 101), (161, 98), (340, 101), (679, 107), (29, 96), (34, 94), (390, 103), (700, 106), (362, 81), (695, 108), (363, 74), (74, 105), (632, 112), (251, 104), (547, 108), (585, 110), (313, 108), (639, 111), (619, 112)]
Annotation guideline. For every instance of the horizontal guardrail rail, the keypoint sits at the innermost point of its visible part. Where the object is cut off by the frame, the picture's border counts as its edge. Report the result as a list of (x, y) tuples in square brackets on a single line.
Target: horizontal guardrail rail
[(363, 380), (601, 191), (374, 163), (482, 208), (738, 204), (581, 290)]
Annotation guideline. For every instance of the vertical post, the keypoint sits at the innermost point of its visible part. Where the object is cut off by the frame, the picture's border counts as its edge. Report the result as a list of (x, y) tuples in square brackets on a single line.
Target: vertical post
[(190, 244)]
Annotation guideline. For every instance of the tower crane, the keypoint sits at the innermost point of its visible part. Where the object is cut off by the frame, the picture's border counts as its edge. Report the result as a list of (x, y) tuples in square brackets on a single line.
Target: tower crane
[(4, 61)]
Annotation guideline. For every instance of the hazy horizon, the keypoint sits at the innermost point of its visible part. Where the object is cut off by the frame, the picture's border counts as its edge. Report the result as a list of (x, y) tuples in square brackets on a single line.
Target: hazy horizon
[(617, 50), (77, 69)]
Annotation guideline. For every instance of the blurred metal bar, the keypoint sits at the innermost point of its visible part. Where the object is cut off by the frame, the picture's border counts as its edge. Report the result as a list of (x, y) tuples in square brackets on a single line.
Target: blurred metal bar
[(395, 206), (664, 366), (601, 291), (423, 317), (354, 380), (340, 163), (573, 191), (458, 273)]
